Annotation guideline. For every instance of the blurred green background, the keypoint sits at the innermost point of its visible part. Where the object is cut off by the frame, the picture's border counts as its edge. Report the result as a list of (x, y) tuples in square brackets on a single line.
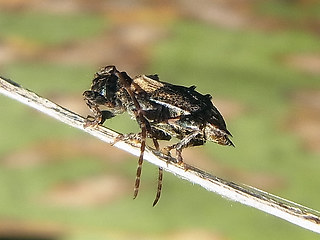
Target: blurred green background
[(259, 59)]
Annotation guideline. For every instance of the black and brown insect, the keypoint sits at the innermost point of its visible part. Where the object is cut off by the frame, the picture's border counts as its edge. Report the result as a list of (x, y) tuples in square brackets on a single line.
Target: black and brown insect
[(161, 109)]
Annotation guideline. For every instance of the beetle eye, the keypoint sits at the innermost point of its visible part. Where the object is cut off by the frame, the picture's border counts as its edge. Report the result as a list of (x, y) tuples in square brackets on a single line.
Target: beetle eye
[(108, 70)]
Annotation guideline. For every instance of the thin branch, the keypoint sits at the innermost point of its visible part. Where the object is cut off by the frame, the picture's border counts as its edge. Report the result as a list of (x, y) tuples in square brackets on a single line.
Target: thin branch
[(250, 196)]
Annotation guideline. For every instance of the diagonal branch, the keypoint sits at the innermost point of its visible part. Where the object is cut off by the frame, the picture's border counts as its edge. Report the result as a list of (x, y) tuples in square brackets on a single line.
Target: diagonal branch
[(250, 196)]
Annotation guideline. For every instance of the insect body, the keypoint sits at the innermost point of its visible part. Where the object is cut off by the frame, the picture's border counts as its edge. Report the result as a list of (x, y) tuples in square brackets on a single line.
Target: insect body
[(162, 110)]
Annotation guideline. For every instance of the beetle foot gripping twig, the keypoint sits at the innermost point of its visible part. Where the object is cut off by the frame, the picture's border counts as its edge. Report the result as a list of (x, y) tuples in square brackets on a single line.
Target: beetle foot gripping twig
[(133, 138), (179, 160)]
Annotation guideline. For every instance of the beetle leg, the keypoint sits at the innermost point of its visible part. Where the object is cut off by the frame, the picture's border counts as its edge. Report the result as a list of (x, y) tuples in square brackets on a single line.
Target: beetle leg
[(96, 118), (188, 141), (132, 138), (93, 100)]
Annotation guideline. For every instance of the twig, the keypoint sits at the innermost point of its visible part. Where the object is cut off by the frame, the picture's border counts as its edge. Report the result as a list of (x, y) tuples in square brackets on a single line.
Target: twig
[(282, 208)]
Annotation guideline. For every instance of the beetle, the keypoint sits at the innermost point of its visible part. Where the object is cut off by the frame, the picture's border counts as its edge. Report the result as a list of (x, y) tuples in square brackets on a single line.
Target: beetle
[(161, 109)]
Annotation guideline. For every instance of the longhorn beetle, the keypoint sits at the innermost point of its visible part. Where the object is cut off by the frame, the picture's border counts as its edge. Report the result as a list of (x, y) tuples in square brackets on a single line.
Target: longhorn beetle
[(161, 109)]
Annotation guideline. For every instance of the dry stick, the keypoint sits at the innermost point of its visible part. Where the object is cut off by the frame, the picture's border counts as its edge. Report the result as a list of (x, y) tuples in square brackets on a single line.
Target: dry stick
[(282, 208)]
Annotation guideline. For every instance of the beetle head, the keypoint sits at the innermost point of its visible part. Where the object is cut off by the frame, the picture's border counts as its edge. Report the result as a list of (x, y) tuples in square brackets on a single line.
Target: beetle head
[(214, 134)]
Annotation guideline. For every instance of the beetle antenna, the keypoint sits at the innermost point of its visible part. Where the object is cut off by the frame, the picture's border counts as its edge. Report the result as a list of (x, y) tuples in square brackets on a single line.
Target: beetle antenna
[(126, 82), (140, 161), (160, 176)]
